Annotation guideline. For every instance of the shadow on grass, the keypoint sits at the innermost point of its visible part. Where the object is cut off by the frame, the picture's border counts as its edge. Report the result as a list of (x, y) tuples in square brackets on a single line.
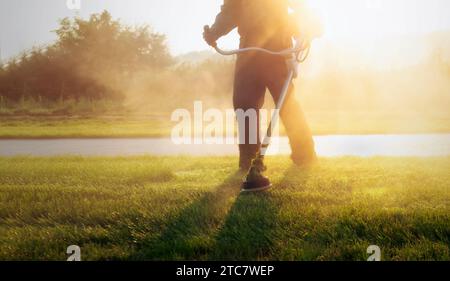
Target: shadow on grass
[(224, 225), (252, 230), (189, 236), (246, 234)]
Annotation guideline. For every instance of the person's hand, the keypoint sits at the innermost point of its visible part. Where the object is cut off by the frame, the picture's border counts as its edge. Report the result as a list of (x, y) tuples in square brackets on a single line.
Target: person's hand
[(209, 37)]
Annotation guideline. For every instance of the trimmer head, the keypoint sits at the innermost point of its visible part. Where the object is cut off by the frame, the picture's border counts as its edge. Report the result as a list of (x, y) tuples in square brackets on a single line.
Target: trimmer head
[(255, 180)]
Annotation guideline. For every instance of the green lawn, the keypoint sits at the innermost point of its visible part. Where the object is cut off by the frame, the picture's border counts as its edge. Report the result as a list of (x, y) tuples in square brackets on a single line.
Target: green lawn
[(190, 208), (82, 127), (160, 125)]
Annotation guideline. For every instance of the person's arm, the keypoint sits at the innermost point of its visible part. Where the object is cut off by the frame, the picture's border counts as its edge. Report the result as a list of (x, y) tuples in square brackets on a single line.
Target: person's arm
[(225, 22)]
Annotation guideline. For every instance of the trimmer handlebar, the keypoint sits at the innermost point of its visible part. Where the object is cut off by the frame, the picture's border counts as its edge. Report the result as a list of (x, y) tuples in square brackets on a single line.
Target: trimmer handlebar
[(297, 49), (300, 46)]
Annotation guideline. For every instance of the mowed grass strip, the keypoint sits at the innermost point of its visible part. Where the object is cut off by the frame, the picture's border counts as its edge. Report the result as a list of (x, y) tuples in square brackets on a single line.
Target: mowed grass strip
[(64, 127), (182, 208), (160, 125)]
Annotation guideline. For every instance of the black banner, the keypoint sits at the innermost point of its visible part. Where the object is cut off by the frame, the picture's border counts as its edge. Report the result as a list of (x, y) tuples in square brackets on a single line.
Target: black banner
[(223, 270)]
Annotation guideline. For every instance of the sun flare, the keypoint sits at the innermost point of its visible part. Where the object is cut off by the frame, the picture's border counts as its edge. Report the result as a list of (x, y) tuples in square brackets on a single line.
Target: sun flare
[(356, 19)]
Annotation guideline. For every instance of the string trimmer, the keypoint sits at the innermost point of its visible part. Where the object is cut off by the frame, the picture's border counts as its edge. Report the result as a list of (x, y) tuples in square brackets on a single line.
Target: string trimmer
[(255, 179)]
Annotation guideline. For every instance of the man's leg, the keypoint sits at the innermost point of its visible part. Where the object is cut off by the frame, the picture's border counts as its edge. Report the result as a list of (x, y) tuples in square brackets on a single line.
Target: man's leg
[(248, 94), (294, 121)]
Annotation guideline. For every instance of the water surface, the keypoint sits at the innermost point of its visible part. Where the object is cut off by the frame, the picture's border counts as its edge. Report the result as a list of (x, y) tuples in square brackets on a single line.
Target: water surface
[(327, 146)]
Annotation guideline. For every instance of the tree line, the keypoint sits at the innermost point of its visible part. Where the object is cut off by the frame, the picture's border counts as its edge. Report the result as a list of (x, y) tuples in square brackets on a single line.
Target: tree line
[(94, 59)]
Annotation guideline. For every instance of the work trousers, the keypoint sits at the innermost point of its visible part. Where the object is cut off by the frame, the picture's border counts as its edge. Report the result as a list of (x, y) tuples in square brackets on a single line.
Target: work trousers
[(254, 74)]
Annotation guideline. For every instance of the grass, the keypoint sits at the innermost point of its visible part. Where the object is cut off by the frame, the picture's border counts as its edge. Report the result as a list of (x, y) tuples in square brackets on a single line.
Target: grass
[(160, 125), (31, 119), (82, 127), (149, 208)]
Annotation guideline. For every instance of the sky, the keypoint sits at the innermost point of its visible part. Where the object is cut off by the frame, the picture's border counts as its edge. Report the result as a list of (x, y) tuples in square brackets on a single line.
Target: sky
[(26, 23)]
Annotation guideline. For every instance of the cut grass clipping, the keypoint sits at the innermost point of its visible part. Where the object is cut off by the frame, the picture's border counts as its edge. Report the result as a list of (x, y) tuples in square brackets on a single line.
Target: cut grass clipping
[(147, 208)]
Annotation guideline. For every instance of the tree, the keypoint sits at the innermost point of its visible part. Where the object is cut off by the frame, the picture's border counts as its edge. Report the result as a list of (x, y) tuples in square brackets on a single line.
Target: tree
[(93, 58)]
